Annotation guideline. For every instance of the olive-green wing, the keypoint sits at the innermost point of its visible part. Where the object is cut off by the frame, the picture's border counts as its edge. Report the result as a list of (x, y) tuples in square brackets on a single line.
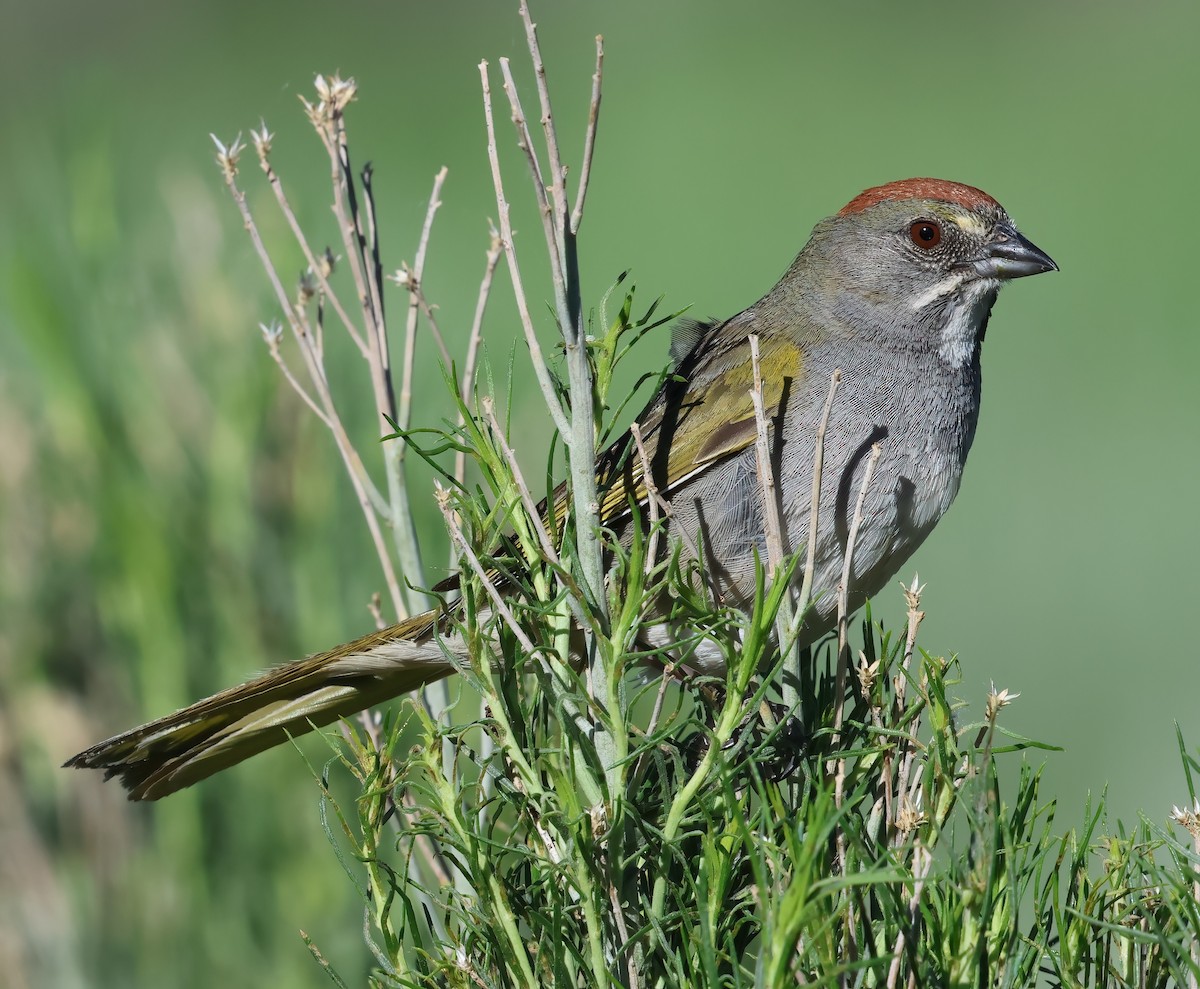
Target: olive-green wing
[(699, 419)]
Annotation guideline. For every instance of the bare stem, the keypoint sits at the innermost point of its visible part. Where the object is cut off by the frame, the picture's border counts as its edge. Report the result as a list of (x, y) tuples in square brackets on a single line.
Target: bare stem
[(912, 596), (844, 586), (1192, 976), (653, 498), (467, 384), (557, 188), (922, 859), (319, 270), (540, 369), (792, 672), (531, 507), (345, 211), (415, 277), (547, 208), (277, 356), (460, 540), (815, 501), (839, 784), (766, 474), (773, 528), (589, 141), (368, 242)]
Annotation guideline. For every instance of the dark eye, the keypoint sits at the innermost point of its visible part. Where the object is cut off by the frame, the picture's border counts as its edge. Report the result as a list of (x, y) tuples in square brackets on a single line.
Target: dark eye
[(925, 234)]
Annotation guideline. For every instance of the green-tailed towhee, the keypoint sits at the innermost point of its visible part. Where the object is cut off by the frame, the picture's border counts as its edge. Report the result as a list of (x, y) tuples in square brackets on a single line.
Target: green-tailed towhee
[(894, 291)]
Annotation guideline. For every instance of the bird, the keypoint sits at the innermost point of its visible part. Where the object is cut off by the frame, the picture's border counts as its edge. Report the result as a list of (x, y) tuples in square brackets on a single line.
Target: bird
[(894, 292)]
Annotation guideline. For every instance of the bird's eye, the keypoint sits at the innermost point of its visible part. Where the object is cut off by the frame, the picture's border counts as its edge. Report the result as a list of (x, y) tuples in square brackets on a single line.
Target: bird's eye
[(925, 234)]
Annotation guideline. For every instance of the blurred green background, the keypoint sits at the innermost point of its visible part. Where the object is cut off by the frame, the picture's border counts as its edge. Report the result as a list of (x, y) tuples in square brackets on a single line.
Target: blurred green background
[(172, 520)]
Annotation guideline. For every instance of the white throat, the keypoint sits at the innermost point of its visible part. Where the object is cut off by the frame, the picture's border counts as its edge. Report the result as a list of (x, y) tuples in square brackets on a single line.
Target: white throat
[(965, 310)]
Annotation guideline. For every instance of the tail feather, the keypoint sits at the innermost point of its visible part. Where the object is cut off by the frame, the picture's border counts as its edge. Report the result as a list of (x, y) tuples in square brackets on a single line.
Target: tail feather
[(166, 755)]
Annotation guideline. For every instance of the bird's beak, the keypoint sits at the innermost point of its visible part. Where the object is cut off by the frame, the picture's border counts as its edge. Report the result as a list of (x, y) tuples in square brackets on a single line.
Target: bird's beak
[(1010, 255)]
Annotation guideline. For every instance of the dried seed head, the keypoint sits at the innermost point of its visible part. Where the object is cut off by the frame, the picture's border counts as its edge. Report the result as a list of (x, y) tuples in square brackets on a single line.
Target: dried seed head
[(997, 700), (335, 92), (272, 332), (912, 593), (306, 289), (599, 818), (262, 139), (1188, 818), (227, 157), (327, 262), (910, 817), (867, 673)]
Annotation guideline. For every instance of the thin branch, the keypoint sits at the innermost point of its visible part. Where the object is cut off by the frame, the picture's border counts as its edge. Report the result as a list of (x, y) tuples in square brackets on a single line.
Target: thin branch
[(843, 599), (525, 137), (792, 671), (912, 596), (295, 317), (912, 599), (772, 527), (404, 533), (546, 208), (653, 498), (523, 492), (375, 268), (843, 602), (272, 339), (540, 369), (485, 291), (589, 141), (669, 671), (835, 380), (345, 212), (404, 413), (773, 530), (549, 552), (263, 145), (631, 967), (467, 384), (376, 611), (329, 122), (922, 860), (429, 311), (664, 506), (319, 330), (443, 500), (557, 173), (363, 253)]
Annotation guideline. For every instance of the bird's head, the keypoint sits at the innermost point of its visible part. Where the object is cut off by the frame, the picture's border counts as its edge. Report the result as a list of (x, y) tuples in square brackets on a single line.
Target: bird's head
[(918, 254)]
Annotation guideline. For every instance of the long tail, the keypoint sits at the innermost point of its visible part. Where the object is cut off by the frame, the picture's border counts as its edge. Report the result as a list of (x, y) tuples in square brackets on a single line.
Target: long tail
[(220, 731)]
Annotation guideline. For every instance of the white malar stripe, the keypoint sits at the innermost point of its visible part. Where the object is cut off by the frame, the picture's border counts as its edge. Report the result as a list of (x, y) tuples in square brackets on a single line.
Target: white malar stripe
[(940, 290)]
